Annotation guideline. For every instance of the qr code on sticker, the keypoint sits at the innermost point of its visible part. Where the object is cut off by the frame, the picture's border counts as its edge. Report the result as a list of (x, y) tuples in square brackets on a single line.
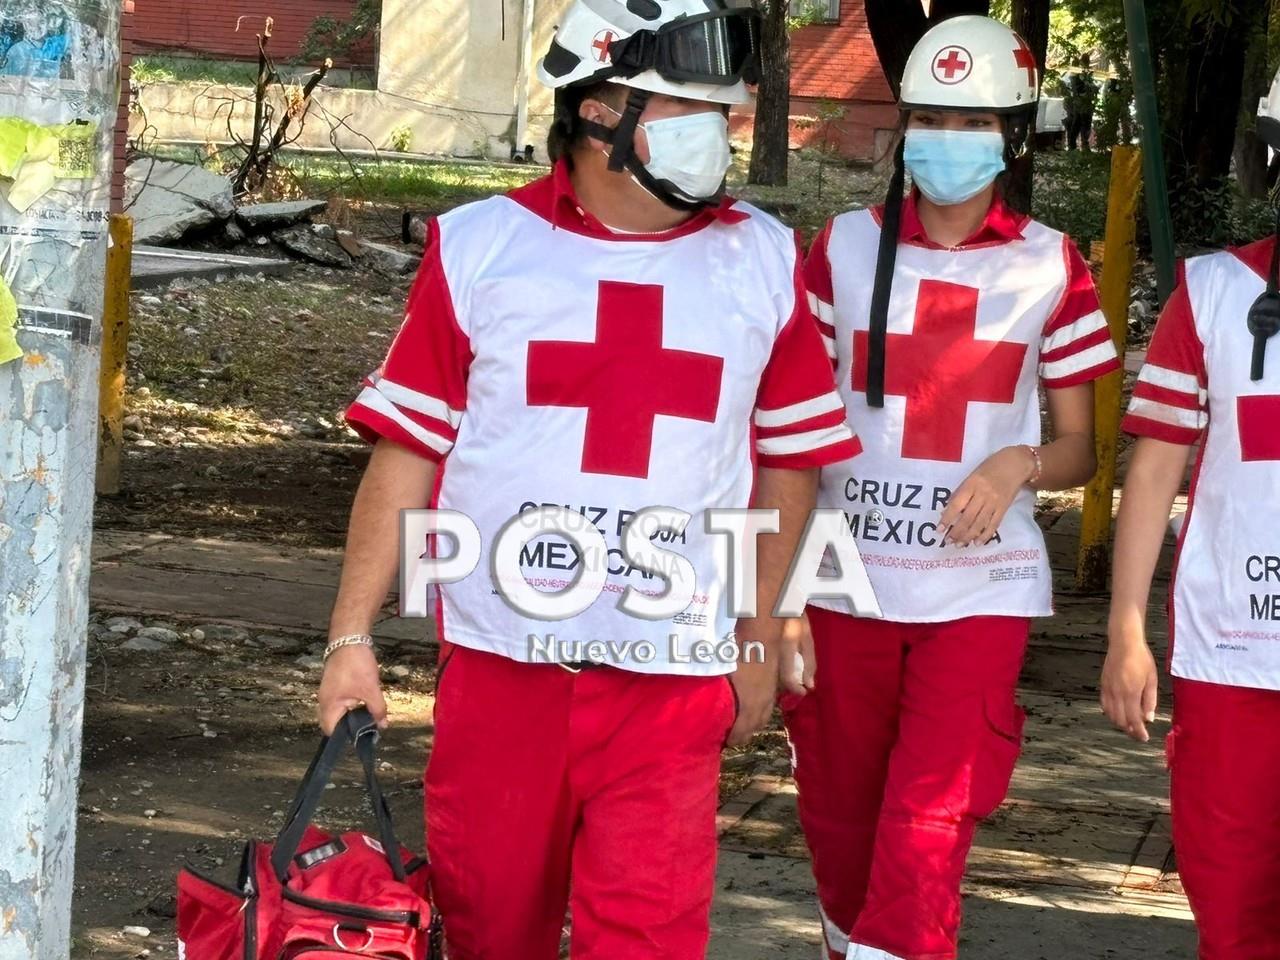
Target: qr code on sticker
[(75, 158)]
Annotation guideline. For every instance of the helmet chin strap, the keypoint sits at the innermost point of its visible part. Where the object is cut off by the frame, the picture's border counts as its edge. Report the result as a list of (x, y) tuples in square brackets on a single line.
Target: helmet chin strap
[(886, 261), (1264, 315), (622, 156)]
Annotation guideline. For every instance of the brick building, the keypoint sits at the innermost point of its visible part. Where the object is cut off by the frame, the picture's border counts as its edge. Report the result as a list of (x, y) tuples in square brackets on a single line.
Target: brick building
[(448, 69), (835, 61), (204, 28)]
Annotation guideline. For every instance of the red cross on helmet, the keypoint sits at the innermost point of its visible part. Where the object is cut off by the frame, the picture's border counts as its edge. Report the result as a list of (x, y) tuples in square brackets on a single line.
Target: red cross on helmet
[(695, 49), (971, 63)]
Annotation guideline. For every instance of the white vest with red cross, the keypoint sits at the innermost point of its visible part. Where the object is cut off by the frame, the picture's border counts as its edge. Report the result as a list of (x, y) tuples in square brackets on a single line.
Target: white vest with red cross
[(1195, 388), (545, 360), (972, 333)]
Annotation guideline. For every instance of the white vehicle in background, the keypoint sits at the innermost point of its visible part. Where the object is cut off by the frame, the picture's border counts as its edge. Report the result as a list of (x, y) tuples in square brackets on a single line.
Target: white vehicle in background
[(1051, 122), (1051, 115)]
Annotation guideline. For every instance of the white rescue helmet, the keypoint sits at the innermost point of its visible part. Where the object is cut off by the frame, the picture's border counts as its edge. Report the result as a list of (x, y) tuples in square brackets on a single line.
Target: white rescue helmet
[(1269, 115), (694, 49), (971, 63)]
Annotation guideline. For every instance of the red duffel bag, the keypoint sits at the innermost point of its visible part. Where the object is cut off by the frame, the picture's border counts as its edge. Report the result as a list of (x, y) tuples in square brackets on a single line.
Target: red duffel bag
[(313, 896)]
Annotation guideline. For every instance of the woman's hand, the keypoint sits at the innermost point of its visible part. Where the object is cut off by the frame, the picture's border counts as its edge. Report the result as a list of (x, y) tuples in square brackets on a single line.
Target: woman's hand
[(977, 508), (796, 663), (1130, 683)]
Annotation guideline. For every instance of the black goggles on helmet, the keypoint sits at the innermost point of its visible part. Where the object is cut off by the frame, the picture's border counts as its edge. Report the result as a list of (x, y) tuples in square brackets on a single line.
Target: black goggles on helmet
[(718, 48)]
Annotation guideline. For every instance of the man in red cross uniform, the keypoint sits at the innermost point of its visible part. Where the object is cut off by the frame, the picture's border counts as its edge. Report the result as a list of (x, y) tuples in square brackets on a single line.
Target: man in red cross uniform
[(910, 733), (1211, 382), (616, 336)]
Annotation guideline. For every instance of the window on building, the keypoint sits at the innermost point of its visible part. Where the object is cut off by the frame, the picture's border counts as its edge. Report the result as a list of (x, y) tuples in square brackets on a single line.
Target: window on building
[(820, 11)]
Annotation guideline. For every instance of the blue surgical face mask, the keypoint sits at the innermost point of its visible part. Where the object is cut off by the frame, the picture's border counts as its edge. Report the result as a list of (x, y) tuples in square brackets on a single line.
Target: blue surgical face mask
[(952, 166)]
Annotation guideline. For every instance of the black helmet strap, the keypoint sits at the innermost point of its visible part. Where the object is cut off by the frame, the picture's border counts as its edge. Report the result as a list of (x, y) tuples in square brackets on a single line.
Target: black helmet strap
[(886, 262), (622, 155), (1264, 315)]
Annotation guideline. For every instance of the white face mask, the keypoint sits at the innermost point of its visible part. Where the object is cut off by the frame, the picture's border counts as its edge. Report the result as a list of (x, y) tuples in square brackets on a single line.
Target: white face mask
[(690, 152)]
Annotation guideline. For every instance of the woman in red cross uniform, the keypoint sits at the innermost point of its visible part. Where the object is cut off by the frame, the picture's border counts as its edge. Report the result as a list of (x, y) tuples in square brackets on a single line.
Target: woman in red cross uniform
[(906, 735), (1212, 381)]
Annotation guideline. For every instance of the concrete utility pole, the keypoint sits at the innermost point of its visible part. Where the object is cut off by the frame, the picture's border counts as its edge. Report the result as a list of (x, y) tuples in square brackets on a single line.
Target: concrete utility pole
[(59, 72)]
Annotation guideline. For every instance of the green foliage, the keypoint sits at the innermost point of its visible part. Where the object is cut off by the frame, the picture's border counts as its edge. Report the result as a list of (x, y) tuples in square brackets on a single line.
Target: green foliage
[(402, 138), (806, 13), (1114, 104), (1071, 193), (1216, 215), (330, 38)]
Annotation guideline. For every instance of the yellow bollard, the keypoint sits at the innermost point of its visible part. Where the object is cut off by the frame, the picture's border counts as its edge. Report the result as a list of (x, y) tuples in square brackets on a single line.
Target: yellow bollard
[(115, 343), (1093, 565)]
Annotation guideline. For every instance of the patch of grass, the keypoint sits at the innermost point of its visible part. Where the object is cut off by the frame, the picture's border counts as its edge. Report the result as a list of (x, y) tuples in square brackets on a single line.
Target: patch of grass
[(161, 68), (434, 184)]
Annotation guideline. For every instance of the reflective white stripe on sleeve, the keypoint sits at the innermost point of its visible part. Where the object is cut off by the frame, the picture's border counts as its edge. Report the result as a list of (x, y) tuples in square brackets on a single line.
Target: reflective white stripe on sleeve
[(857, 951), (1074, 331), (1095, 356), (1174, 380), (830, 344), (371, 399), (821, 309), (1164, 413), (417, 401), (804, 410), (802, 442), (837, 939)]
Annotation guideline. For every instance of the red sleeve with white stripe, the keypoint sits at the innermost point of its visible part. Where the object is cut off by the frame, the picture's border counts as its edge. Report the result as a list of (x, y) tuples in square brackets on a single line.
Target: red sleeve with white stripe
[(1170, 399), (417, 396), (1077, 346), (800, 419), (817, 278)]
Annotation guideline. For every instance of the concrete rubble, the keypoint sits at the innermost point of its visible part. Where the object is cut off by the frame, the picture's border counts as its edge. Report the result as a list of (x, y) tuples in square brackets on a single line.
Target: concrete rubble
[(183, 204)]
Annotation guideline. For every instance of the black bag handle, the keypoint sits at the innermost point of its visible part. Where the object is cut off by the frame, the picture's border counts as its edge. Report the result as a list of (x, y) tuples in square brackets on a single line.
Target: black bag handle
[(358, 728)]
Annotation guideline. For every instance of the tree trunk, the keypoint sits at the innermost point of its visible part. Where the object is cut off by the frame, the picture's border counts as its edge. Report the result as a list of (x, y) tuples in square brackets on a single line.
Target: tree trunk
[(942, 9), (1203, 86), (895, 27), (1250, 151), (772, 134), (1031, 20)]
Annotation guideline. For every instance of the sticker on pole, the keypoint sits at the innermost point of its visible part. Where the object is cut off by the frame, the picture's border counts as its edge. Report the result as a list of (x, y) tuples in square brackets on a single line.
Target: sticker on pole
[(9, 349)]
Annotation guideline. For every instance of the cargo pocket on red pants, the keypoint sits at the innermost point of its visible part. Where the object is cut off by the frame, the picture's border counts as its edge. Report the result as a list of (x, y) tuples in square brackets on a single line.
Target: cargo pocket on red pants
[(998, 754)]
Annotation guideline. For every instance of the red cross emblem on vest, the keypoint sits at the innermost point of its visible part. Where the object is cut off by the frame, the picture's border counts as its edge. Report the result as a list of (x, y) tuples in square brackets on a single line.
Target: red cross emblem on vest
[(625, 379), (952, 65), (941, 367), (1259, 421)]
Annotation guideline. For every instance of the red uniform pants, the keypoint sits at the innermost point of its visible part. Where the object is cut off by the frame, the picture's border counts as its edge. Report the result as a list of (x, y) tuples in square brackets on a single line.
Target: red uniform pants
[(538, 775), (907, 741), (1224, 754)]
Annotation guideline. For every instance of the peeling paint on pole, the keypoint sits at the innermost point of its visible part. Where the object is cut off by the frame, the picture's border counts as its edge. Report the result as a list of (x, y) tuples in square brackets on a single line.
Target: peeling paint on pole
[(59, 69)]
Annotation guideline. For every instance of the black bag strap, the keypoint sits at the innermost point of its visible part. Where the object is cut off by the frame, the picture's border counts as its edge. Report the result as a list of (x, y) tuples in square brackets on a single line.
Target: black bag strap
[(358, 728), (886, 262)]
